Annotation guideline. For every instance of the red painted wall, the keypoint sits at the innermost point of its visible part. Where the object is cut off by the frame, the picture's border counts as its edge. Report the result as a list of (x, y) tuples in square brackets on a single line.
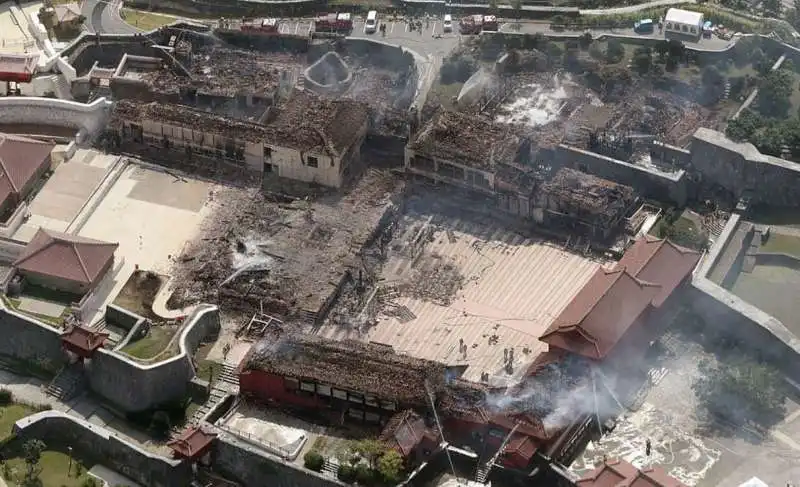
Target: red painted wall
[(265, 386)]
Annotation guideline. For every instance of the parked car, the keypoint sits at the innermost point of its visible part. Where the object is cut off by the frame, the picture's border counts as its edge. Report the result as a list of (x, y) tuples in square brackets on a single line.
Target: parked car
[(372, 22), (448, 23), (644, 26)]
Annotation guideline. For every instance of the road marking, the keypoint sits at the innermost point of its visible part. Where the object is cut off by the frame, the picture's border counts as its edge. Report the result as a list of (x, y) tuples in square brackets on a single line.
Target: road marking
[(364, 29), (296, 28), (433, 30), (407, 25), (783, 438), (392, 29), (792, 417)]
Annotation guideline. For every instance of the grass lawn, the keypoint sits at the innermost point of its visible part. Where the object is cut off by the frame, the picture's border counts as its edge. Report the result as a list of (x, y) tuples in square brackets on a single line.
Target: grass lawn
[(146, 20), (11, 414), (52, 320), (782, 244), (153, 344), (446, 93), (54, 467), (206, 369), (51, 295)]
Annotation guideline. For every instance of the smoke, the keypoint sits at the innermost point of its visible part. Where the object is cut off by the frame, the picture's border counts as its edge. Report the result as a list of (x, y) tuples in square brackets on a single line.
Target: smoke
[(562, 393)]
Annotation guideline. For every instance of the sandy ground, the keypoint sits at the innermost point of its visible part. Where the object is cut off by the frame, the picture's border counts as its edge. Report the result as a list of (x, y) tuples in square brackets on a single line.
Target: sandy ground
[(152, 215)]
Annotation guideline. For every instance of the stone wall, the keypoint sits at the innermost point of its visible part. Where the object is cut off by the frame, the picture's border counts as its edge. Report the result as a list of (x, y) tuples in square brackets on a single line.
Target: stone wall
[(27, 339), (742, 170), (121, 317), (97, 444), (133, 387), (765, 335), (661, 186), (88, 118), (237, 460)]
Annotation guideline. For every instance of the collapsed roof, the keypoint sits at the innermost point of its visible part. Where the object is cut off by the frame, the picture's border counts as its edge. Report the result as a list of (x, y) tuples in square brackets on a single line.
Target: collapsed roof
[(468, 140), (366, 368), (576, 193), (306, 122)]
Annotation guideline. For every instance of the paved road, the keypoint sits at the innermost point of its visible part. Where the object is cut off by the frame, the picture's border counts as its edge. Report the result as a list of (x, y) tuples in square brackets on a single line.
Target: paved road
[(709, 44), (635, 8), (103, 17)]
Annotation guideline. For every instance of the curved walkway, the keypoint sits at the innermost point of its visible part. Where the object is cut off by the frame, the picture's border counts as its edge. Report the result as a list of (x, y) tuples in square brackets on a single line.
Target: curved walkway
[(103, 17)]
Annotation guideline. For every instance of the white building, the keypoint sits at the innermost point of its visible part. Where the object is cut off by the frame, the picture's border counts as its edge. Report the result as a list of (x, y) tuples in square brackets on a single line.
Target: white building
[(308, 139), (684, 23)]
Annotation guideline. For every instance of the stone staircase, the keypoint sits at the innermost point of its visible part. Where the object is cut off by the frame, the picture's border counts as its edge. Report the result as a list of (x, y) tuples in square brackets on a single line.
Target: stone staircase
[(228, 375), (218, 392), (301, 82), (482, 473), (726, 92), (68, 383), (331, 467)]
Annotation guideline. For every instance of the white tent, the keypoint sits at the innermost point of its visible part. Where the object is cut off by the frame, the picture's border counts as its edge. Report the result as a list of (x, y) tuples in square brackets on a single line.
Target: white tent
[(683, 22), (754, 482)]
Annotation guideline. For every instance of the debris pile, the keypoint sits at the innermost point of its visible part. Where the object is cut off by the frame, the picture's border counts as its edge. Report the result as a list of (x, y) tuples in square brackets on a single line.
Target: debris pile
[(280, 255)]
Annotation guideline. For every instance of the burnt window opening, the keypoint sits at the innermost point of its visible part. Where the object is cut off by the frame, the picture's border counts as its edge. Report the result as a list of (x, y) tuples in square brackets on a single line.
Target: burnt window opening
[(312, 161), (267, 152)]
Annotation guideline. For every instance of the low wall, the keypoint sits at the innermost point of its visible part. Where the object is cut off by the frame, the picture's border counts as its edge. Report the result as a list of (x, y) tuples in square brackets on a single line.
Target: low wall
[(777, 259), (133, 387), (653, 184), (764, 334), (122, 317), (10, 249), (237, 460), (15, 221), (90, 118), (97, 444), (27, 339)]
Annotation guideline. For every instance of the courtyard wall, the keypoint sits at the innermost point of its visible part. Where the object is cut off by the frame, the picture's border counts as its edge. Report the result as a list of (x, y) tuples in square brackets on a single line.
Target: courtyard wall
[(31, 341), (132, 386)]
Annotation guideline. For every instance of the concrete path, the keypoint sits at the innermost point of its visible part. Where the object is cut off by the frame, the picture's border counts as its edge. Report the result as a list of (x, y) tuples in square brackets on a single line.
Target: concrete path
[(160, 304)]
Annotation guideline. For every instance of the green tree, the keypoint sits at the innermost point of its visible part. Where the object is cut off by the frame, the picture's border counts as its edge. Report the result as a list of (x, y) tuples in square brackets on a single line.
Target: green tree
[(313, 461), (614, 50), (390, 466), (774, 93), (744, 127), (32, 450), (742, 390), (711, 76), (370, 449), (772, 8)]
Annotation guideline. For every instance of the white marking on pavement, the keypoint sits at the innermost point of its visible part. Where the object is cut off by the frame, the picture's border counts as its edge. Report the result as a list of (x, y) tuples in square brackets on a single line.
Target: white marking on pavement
[(364, 29), (783, 438), (433, 30), (392, 29), (296, 28)]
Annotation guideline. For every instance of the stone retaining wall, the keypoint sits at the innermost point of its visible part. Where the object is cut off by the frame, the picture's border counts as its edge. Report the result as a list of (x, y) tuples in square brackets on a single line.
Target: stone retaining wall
[(27, 339), (133, 387), (97, 444), (88, 118)]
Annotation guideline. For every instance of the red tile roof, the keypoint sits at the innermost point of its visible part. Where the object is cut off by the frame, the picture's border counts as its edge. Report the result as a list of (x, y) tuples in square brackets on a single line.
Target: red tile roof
[(600, 314), (84, 338), (660, 261), (20, 160), (65, 256), (521, 445), (404, 431), (619, 473), (191, 442)]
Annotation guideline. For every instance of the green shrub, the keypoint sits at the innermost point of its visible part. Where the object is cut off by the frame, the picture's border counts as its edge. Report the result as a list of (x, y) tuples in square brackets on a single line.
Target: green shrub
[(364, 474), (346, 473), (6, 397), (313, 461)]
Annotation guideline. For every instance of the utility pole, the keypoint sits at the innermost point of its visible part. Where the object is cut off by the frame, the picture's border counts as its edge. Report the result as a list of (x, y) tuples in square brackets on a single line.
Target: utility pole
[(441, 430)]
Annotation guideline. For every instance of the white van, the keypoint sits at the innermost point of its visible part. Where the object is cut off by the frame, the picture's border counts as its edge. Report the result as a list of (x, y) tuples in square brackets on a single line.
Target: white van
[(372, 22), (448, 23)]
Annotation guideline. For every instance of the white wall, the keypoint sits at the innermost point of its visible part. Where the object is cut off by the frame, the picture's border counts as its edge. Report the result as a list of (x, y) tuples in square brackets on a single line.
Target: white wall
[(293, 164)]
